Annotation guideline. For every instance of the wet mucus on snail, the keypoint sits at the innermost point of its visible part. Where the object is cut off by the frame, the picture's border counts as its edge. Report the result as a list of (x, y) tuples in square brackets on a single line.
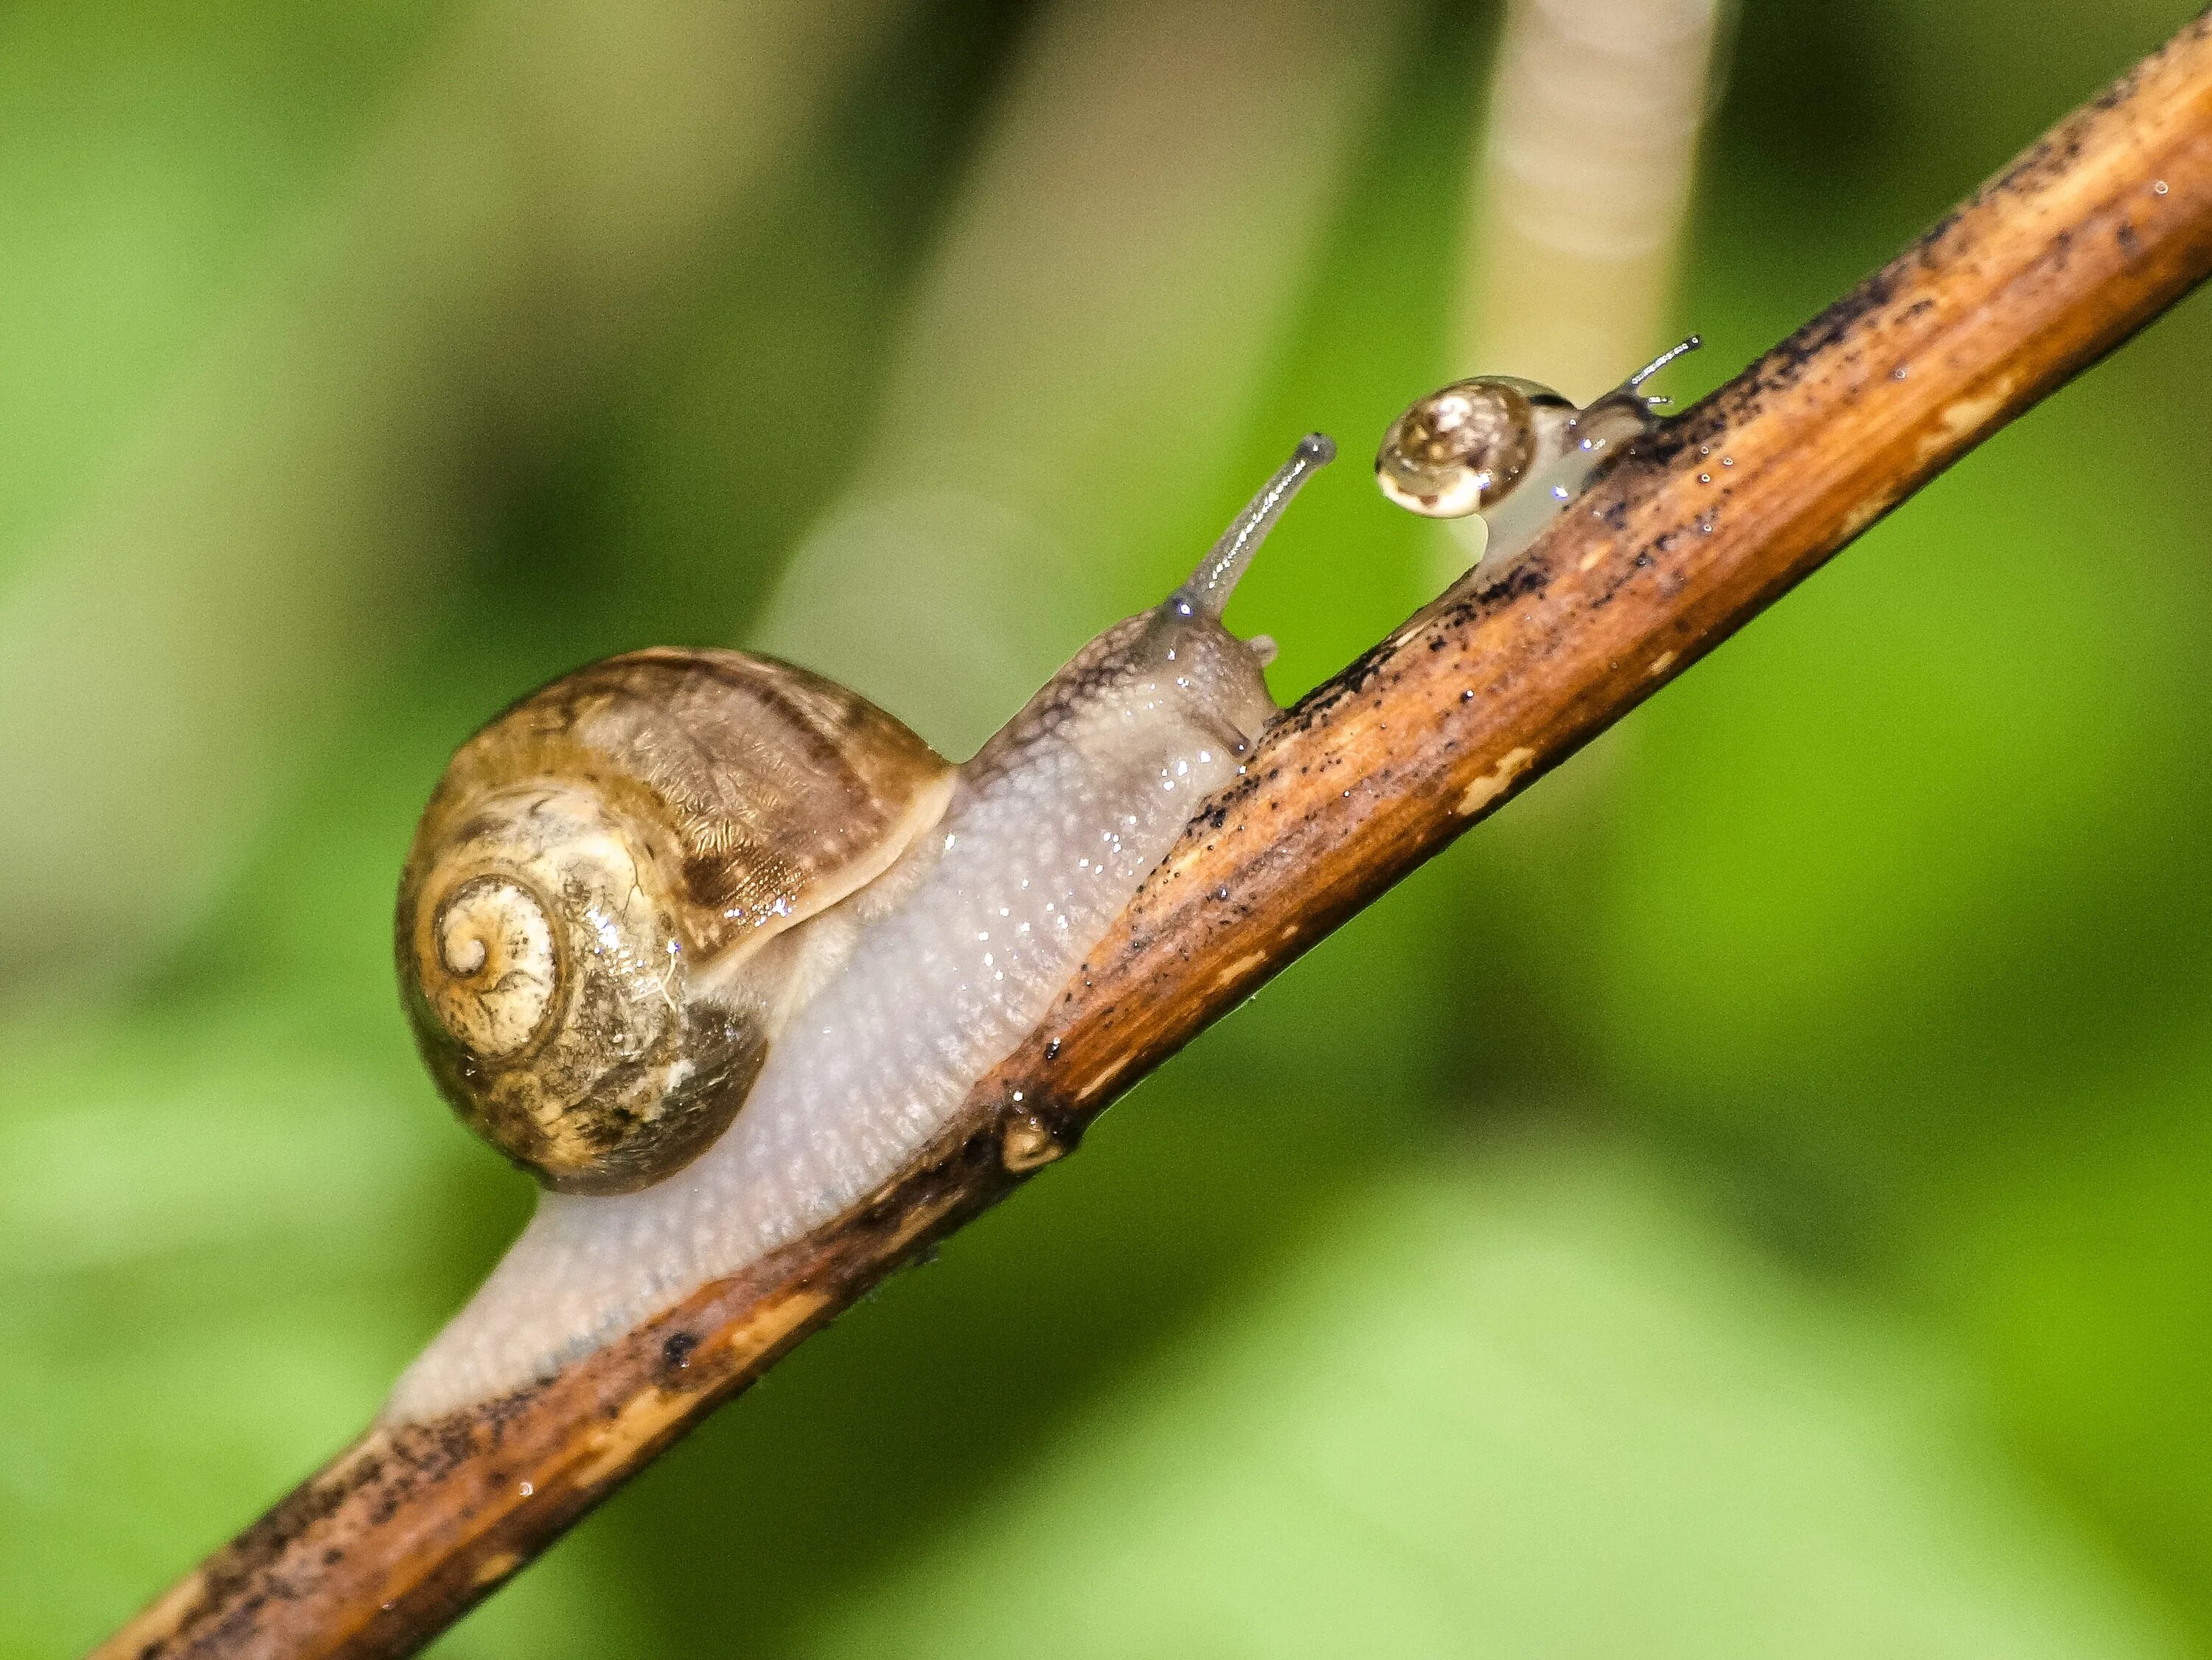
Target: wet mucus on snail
[(1511, 450), (712, 946)]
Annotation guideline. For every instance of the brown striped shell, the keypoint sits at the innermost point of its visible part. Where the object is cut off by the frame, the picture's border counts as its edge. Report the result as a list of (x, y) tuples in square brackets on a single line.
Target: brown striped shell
[(582, 918)]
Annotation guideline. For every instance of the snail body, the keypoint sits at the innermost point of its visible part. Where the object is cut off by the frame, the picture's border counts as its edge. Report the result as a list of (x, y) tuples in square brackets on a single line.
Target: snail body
[(866, 1021), (1512, 450)]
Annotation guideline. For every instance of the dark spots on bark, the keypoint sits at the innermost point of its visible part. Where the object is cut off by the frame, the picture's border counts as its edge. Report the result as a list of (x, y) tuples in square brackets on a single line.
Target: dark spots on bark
[(2123, 88), (675, 1351), (1527, 576), (1787, 363), (1930, 248), (1352, 683), (256, 1551)]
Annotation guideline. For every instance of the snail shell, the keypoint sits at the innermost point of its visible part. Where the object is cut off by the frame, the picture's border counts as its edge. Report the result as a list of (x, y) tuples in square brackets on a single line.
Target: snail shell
[(587, 923), (1467, 446)]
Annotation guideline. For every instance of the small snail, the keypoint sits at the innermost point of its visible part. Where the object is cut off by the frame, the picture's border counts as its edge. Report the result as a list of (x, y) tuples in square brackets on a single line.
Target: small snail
[(1510, 450), (712, 944)]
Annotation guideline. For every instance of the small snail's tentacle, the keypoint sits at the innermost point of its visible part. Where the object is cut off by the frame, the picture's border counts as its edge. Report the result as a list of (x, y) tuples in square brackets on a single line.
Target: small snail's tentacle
[(1680, 349), (1630, 391), (1206, 593)]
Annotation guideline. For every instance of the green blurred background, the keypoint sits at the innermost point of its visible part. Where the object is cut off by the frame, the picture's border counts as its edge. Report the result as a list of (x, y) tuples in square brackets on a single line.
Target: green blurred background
[(1751, 1198)]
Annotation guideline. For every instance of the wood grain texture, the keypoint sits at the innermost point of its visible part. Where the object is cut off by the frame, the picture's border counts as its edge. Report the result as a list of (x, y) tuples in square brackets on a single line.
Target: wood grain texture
[(2091, 233)]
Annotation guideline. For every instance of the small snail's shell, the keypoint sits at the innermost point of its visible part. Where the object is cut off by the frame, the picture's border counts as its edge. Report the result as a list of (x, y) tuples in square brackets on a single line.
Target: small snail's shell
[(1466, 446), (582, 919)]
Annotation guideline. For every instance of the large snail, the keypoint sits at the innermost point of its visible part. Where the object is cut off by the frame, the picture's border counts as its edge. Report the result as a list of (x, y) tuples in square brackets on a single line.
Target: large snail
[(712, 946), (1510, 450)]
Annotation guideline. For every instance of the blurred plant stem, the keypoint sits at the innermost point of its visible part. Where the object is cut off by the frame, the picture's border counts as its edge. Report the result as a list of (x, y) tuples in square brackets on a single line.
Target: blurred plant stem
[(2091, 233), (1580, 192), (1595, 112), (1087, 345), (544, 184), (1578, 201)]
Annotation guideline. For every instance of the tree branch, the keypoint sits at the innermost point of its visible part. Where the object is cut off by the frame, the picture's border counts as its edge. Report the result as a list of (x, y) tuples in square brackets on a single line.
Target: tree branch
[(2098, 229)]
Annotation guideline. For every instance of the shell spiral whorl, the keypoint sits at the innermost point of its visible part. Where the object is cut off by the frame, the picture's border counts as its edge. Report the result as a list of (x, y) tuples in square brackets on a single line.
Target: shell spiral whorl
[(1463, 447), (553, 996), (501, 966)]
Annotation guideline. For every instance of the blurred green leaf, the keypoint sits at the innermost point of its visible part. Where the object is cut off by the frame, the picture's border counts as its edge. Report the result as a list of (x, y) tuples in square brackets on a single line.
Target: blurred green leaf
[(1117, 274), (1528, 1405), (517, 223)]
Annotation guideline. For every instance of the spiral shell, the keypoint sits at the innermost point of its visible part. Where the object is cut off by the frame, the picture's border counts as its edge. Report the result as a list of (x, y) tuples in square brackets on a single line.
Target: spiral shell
[(1466, 446), (582, 921)]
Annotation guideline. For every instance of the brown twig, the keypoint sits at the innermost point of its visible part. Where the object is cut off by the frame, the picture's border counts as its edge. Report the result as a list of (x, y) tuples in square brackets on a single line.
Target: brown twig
[(2094, 231)]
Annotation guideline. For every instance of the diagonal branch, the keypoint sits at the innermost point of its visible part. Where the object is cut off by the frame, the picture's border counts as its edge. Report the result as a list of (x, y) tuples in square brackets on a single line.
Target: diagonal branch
[(2098, 229)]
